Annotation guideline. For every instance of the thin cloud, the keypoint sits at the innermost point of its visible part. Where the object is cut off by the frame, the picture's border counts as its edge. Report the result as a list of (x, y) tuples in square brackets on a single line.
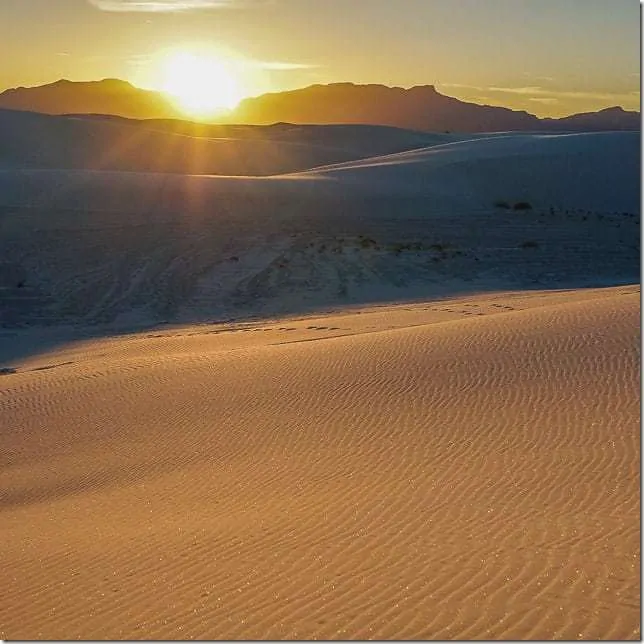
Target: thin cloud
[(461, 86), (537, 93), (169, 6), (274, 65), (545, 101), (553, 93), (518, 90)]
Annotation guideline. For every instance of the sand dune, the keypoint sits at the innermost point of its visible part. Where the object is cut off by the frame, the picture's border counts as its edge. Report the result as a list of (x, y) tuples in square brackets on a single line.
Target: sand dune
[(107, 246), (462, 469), (355, 400), (507, 164), (29, 140), (590, 170)]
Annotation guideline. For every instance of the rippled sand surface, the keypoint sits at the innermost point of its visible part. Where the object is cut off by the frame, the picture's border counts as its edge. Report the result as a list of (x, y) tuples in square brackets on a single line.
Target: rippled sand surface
[(456, 469)]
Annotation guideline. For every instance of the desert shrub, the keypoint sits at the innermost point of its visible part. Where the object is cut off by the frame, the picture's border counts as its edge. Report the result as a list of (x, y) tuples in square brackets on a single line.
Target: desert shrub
[(366, 242), (529, 244), (441, 248), (415, 246), (522, 205), (501, 204)]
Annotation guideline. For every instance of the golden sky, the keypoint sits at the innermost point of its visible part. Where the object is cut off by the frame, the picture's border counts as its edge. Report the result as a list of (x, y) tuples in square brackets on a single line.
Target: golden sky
[(548, 57)]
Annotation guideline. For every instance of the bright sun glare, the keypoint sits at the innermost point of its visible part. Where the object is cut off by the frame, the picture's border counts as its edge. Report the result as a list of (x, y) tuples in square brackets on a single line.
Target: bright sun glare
[(202, 84)]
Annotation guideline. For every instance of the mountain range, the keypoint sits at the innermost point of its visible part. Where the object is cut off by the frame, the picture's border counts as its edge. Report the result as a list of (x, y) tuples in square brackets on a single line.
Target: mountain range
[(420, 108)]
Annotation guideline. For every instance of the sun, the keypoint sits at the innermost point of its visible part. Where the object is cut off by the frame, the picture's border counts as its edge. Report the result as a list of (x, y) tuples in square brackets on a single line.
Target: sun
[(201, 84)]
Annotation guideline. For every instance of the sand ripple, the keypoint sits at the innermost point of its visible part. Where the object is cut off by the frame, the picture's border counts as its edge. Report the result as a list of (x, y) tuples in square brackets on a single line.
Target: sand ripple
[(473, 478)]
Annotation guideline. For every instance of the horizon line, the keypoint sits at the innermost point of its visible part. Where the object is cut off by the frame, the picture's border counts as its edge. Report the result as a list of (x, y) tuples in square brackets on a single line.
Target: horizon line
[(433, 86)]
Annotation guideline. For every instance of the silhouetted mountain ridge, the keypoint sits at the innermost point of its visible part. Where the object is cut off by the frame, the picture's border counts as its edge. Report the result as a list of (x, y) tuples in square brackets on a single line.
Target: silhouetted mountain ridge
[(422, 108), (108, 96)]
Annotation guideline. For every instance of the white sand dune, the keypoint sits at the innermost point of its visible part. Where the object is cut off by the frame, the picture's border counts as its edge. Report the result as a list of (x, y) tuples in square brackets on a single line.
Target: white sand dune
[(464, 469), (39, 141), (102, 246), (597, 171), (507, 165), (348, 401)]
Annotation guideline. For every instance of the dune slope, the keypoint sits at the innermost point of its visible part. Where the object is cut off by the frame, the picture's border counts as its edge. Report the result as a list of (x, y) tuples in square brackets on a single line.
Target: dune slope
[(459, 470), (29, 140), (106, 246)]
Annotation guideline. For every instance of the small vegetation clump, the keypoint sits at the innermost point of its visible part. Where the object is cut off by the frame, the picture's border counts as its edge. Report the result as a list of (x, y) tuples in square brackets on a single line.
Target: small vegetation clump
[(501, 204), (529, 244), (367, 242), (399, 248), (522, 205)]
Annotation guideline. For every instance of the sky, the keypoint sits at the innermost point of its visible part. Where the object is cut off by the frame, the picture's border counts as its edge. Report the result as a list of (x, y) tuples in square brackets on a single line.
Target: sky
[(548, 57)]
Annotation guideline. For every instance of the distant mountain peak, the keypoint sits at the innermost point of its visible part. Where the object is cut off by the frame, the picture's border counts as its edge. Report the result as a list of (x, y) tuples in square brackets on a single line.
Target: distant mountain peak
[(111, 96), (115, 82), (421, 107)]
